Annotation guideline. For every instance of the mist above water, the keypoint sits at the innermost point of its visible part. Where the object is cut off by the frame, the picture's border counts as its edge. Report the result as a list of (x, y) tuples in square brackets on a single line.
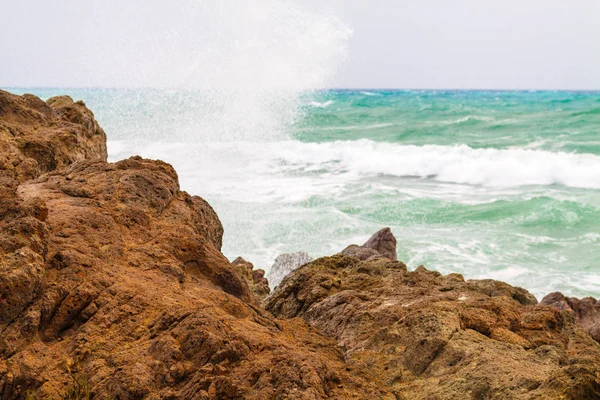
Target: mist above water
[(245, 64)]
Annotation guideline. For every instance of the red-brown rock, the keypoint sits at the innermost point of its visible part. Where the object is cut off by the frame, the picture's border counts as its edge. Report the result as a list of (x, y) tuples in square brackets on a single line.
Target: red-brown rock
[(112, 283), (428, 336), (38, 137), (255, 278), (586, 311), (381, 245)]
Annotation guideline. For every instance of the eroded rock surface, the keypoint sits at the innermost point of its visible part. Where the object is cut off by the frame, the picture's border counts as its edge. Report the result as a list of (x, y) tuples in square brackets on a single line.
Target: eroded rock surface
[(38, 137), (586, 311), (381, 245), (255, 278), (112, 283), (429, 336)]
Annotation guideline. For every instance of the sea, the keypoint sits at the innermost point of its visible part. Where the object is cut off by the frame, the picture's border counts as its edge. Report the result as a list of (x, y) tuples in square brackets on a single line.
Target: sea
[(489, 184)]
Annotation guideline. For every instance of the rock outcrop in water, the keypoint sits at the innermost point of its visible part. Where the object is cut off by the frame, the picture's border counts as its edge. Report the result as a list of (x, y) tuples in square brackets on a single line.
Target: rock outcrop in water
[(113, 286), (286, 263), (381, 245)]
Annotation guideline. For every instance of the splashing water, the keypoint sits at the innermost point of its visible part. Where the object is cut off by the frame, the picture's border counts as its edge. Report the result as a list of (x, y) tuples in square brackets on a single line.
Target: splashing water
[(489, 184), (244, 65)]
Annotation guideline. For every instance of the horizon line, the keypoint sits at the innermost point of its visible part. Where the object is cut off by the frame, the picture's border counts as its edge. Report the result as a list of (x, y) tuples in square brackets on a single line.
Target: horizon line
[(448, 89)]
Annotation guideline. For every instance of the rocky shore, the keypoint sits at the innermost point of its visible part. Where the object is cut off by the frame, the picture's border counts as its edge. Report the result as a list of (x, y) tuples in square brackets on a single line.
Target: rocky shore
[(113, 286)]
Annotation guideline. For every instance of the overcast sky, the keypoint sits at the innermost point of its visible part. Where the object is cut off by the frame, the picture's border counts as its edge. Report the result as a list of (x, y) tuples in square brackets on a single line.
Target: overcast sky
[(478, 44)]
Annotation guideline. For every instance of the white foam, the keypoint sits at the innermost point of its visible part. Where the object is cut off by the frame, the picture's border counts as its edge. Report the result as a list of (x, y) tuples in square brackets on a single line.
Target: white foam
[(370, 94), (290, 171), (324, 104), (458, 164), (509, 273)]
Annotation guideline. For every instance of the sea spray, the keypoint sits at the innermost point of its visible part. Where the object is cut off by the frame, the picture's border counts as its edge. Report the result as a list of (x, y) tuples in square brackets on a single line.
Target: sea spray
[(509, 193), (240, 68)]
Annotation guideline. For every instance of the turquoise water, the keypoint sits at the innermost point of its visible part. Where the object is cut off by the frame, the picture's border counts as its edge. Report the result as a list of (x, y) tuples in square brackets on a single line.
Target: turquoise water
[(553, 121), (502, 185)]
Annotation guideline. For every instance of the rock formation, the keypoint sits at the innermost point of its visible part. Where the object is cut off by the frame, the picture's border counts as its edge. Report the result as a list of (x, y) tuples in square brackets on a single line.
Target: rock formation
[(381, 245), (113, 286), (428, 336), (38, 136), (286, 263), (586, 311), (255, 278)]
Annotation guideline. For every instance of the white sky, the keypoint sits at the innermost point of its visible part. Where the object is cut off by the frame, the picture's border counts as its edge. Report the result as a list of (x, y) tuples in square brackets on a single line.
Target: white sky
[(478, 44)]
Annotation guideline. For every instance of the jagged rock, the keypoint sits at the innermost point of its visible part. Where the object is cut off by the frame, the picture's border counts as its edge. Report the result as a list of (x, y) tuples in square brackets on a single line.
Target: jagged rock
[(259, 285), (429, 336), (586, 311), (381, 245), (284, 264), (38, 137), (112, 281), (112, 284), (496, 288)]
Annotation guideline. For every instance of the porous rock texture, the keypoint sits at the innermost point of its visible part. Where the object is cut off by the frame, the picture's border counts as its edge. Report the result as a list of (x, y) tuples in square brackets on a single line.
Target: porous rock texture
[(586, 311), (424, 335), (113, 286), (255, 278), (38, 136)]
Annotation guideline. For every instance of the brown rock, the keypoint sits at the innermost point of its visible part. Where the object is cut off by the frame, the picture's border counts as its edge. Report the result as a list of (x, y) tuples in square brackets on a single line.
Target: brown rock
[(259, 285), (112, 284), (38, 137), (381, 245), (494, 288), (429, 336), (383, 242), (586, 311)]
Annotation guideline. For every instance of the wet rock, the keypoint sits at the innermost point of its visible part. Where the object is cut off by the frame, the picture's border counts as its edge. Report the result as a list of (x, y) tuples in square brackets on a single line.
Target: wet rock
[(383, 242), (284, 264)]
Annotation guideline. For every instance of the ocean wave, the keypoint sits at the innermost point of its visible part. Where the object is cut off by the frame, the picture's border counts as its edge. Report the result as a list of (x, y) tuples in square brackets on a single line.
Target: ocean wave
[(324, 104), (468, 118), (370, 93), (357, 127), (456, 164), (591, 111), (292, 170)]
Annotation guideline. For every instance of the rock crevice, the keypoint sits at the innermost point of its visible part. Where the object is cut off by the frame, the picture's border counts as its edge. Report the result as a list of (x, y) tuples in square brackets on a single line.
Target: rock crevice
[(113, 285)]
